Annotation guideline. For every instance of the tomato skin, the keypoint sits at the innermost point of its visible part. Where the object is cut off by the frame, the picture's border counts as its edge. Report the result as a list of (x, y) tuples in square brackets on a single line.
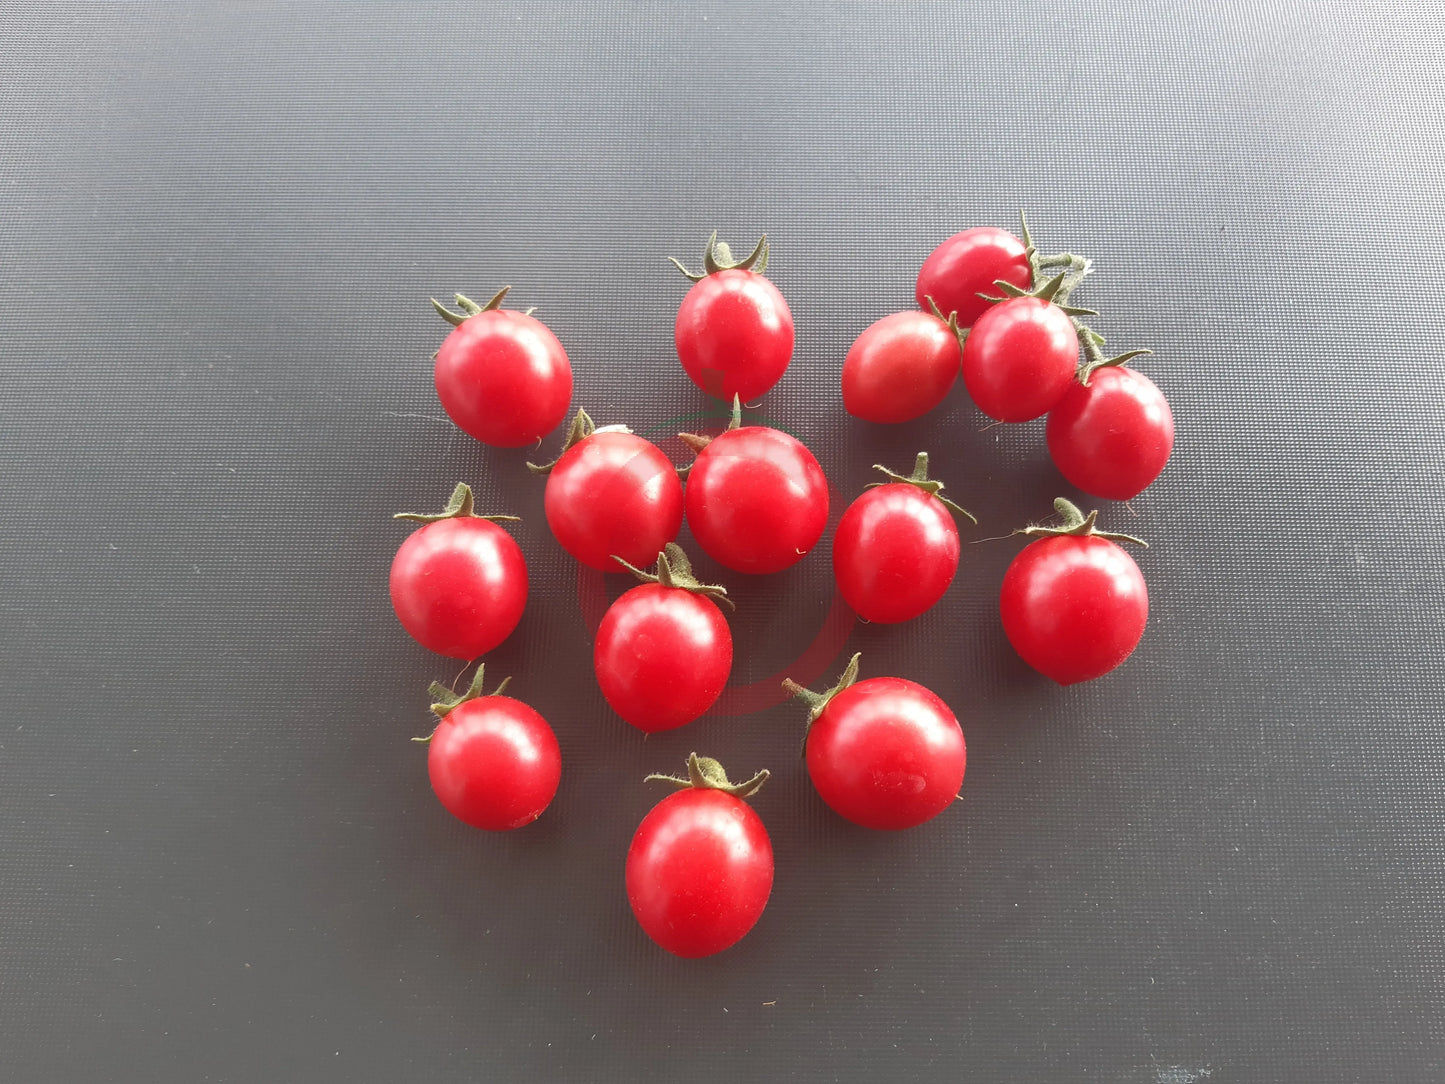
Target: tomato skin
[(1112, 436), (503, 377), (894, 553), (1020, 359), (900, 368), (459, 586), (886, 753), (613, 493), (494, 763), (757, 501), (734, 334), (699, 871), (1074, 607), (967, 264), (662, 656)]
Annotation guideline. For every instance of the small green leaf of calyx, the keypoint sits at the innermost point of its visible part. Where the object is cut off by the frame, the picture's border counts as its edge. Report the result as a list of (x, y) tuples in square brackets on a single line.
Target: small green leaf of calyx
[(469, 307), (445, 700), (458, 507), (817, 702), (919, 478), (675, 570), (705, 773), (1078, 524), (581, 428), (697, 441)]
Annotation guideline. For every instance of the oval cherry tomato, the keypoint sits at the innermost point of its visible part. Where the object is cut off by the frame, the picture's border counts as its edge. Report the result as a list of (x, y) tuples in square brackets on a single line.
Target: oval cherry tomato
[(1020, 358), (896, 548), (502, 376), (756, 500), (612, 494), (967, 264), (493, 761), (1111, 437), (459, 584), (734, 330), (700, 868), (664, 651), (900, 368), (1074, 606)]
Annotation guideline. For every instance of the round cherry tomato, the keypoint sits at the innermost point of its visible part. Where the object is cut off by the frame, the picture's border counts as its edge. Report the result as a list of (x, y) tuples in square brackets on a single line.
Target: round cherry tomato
[(900, 368), (700, 868), (734, 329), (459, 584), (502, 376), (884, 753), (757, 501), (1112, 436), (1073, 605), (896, 548), (1020, 358), (664, 651), (612, 494), (967, 264), (493, 761)]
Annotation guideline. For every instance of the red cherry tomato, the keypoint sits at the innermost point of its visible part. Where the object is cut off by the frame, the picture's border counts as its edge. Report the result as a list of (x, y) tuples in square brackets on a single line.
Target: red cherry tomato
[(885, 753), (967, 264), (1074, 606), (1020, 358), (493, 761), (502, 376), (664, 651), (459, 584), (699, 871), (613, 494), (734, 330), (896, 548), (757, 501), (1111, 437), (900, 368)]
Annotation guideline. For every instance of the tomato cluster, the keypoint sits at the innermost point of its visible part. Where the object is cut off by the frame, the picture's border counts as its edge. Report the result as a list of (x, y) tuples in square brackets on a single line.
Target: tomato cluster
[(885, 753)]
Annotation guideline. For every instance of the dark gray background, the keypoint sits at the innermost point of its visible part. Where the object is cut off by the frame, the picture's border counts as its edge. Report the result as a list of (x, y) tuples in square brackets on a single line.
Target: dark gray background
[(219, 856)]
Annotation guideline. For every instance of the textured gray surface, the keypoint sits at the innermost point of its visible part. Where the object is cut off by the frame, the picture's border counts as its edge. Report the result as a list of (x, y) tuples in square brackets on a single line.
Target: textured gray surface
[(218, 230)]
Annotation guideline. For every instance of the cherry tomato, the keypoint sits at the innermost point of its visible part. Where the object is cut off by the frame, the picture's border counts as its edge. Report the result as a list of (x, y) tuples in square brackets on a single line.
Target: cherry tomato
[(757, 501), (502, 376), (1111, 437), (900, 368), (493, 761), (1020, 358), (700, 868), (734, 329), (612, 494), (664, 651), (967, 264), (459, 584), (896, 548), (884, 753), (1074, 605)]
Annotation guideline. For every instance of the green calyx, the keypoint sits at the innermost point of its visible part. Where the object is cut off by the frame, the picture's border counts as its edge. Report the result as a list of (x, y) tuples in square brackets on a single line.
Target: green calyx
[(675, 570), (469, 307), (951, 320), (920, 479), (581, 428), (458, 507), (719, 257), (444, 700), (697, 442), (818, 702), (1077, 524), (704, 773), (1094, 358)]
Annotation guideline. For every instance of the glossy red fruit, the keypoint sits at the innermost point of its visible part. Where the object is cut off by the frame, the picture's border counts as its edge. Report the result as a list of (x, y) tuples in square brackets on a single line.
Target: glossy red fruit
[(502, 376), (494, 762), (885, 753), (1074, 604), (612, 494), (700, 868), (967, 264), (734, 330), (459, 583), (1020, 358), (1112, 436), (900, 368), (664, 649)]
